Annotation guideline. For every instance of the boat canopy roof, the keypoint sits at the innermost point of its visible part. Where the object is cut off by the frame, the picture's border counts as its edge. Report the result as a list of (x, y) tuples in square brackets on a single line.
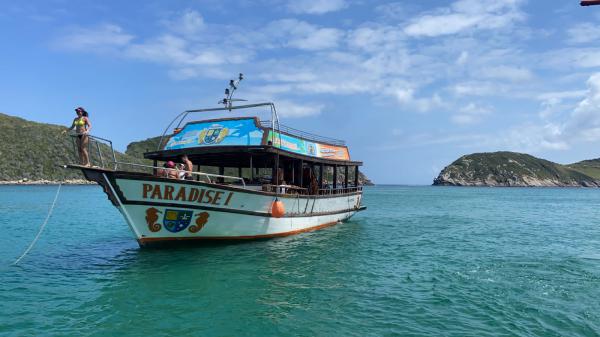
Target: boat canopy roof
[(231, 141)]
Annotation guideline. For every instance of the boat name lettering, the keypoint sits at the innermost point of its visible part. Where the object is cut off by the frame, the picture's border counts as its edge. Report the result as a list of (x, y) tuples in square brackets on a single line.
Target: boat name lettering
[(189, 194)]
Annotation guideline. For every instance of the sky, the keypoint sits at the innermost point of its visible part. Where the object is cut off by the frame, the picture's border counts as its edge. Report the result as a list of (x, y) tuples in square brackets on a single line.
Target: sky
[(410, 85)]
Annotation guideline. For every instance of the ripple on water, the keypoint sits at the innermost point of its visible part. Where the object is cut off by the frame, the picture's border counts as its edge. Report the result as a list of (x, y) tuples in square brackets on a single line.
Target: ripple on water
[(421, 261)]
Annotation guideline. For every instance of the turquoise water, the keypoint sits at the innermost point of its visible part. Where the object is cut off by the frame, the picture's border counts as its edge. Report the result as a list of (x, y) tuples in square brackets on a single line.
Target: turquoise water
[(421, 261)]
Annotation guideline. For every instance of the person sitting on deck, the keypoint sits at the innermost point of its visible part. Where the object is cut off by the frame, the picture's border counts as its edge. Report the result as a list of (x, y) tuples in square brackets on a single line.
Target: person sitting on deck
[(176, 171), (169, 170), (185, 170)]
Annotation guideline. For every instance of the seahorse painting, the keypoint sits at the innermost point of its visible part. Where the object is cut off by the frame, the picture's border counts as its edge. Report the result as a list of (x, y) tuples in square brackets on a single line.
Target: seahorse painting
[(201, 220), (151, 218)]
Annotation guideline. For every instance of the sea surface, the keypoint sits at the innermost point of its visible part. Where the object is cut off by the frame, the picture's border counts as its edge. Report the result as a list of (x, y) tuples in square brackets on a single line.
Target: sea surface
[(421, 261)]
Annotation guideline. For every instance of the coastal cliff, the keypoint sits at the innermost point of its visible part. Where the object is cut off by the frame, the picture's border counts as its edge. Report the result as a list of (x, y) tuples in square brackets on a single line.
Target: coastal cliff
[(510, 169)]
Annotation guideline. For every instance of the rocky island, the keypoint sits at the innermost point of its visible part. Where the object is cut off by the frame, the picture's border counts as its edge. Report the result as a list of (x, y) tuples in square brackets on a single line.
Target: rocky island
[(509, 169)]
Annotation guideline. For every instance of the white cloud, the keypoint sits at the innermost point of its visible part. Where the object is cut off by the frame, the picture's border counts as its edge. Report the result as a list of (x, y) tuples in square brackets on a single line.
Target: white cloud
[(188, 23), (462, 58), (316, 6), (504, 72), (582, 125), (405, 95), (376, 38), (395, 11), (290, 57), (302, 35), (555, 97), (466, 15), (164, 49), (583, 33), (106, 37), (552, 102), (471, 113), (569, 58), (584, 121), (290, 109), (475, 88), (532, 138), (179, 52)]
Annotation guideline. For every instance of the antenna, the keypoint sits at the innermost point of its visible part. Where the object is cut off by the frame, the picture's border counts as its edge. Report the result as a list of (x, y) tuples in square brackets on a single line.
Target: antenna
[(233, 85)]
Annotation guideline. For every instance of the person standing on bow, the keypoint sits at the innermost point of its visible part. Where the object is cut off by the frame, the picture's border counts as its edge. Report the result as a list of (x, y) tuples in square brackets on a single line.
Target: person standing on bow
[(82, 127)]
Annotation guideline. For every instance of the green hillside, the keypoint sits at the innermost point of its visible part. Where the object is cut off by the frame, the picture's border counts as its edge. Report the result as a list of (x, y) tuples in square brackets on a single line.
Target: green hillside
[(517, 169), (34, 151), (137, 149), (589, 167)]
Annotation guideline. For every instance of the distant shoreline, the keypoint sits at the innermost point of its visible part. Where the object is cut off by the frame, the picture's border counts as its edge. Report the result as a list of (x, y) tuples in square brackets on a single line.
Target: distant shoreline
[(47, 182)]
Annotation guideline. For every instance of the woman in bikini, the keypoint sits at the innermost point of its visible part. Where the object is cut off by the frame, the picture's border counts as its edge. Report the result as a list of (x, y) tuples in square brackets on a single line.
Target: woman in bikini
[(82, 127)]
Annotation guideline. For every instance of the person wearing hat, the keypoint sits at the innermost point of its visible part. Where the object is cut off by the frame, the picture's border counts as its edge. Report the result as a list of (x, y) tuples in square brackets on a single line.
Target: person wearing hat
[(82, 127), (174, 171), (169, 170)]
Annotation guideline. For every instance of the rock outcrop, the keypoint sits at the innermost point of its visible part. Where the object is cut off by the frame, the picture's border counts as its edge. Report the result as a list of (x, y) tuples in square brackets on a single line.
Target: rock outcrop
[(517, 169)]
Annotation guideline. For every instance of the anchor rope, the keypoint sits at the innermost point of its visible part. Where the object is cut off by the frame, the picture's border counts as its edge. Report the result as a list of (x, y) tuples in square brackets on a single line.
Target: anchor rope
[(41, 227)]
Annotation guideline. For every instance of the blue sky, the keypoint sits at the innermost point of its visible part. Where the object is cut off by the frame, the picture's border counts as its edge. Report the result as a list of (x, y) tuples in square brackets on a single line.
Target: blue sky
[(410, 85)]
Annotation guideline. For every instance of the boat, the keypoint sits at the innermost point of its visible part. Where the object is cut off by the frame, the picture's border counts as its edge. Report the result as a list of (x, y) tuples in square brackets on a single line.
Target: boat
[(251, 179)]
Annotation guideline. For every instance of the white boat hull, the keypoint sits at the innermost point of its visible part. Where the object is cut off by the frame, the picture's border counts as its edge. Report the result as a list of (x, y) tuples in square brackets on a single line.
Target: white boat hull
[(159, 209)]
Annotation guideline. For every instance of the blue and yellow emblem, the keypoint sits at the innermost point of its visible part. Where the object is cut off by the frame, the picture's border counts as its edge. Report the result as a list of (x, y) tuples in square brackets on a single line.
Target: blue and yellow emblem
[(213, 135), (176, 220)]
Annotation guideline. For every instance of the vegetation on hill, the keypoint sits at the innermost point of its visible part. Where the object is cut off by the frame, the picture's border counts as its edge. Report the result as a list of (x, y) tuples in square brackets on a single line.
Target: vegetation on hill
[(517, 169), (137, 149), (588, 167), (35, 151)]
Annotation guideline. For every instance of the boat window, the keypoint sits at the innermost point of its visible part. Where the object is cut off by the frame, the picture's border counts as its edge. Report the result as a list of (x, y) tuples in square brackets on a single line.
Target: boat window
[(351, 174), (328, 177)]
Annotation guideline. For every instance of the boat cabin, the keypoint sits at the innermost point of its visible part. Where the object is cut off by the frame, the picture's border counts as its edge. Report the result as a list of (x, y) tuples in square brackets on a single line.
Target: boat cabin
[(263, 155)]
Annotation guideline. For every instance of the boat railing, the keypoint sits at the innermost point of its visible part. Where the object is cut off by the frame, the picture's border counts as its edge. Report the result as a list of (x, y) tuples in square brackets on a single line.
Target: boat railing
[(339, 190), (101, 154), (95, 150), (304, 135), (284, 189), (208, 176), (290, 189)]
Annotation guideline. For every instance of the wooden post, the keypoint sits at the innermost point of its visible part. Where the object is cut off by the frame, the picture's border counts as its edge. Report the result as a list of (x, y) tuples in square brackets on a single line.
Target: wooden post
[(276, 170), (301, 173), (320, 176), (198, 170), (356, 176), (334, 178), (251, 170), (346, 177)]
